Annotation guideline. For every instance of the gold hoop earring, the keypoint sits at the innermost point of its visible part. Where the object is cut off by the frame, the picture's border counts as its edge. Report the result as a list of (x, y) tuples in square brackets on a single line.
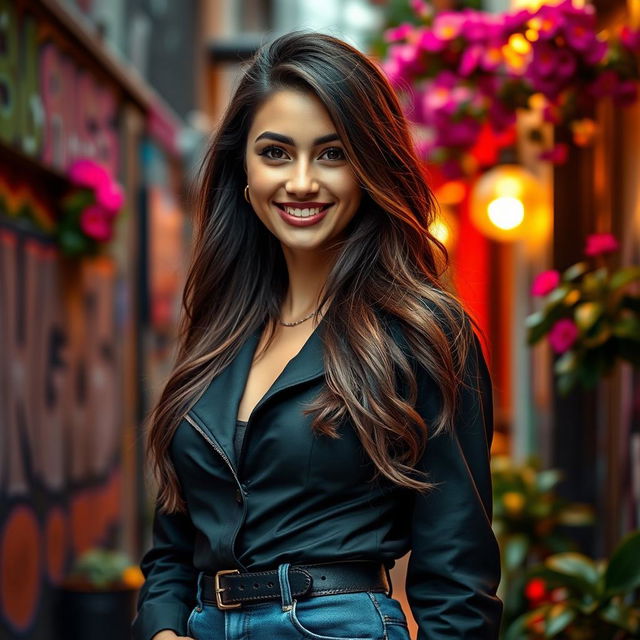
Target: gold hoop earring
[(246, 194)]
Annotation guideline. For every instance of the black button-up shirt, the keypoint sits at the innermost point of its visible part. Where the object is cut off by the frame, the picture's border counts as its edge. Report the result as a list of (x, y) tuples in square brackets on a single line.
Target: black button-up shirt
[(291, 496)]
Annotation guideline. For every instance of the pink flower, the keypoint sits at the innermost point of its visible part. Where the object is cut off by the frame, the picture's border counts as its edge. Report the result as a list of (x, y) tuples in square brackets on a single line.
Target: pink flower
[(96, 223), (596, 52), (88, 173), (630, 38), (459, 133), (545, 282), (563, 335), (550, 22), (470, 60), (428, 41), (600, 243), (514, 21), (110, 197), (448, 25), (400, 32)]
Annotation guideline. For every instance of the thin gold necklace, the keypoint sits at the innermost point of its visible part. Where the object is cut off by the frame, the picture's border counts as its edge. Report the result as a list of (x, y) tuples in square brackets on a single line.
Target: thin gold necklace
[(293, 324)]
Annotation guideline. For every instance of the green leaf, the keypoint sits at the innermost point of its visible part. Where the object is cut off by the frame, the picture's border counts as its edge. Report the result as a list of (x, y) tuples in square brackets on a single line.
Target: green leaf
[(623, 573), (575, 271), (515, 551), (73, 242), (622, 616), (557, 296), (534, 319), (594, 282), (520, 627), (623, 277), (602, 334), (587, 314), (546, 480), (576, 515), (580, 569), (628, 327), (559, 617), (566, 363)]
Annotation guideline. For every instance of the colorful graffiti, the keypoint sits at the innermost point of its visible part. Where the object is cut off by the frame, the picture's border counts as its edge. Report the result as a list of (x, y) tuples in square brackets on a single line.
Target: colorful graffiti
[(60, 414), (54, 109)]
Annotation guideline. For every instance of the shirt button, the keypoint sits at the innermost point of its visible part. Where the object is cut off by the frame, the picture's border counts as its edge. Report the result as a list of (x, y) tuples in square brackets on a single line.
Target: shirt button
[(238, 495)]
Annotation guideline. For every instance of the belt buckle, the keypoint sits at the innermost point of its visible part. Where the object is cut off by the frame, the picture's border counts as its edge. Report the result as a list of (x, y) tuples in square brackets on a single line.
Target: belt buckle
[(218, 589)]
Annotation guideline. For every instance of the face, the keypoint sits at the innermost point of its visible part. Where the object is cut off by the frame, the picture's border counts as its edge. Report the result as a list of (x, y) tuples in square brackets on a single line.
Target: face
[(300, 184)]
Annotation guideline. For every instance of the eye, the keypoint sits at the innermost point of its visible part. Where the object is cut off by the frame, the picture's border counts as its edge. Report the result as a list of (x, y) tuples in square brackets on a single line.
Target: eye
[(333, 153), (273, 153)]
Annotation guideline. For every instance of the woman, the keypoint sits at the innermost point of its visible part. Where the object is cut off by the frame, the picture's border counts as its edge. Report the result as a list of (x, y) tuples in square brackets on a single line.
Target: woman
[(330, 408)]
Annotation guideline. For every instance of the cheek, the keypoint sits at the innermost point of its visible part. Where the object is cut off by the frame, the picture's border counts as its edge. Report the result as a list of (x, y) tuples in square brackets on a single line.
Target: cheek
[(348, 190), (259, 178)]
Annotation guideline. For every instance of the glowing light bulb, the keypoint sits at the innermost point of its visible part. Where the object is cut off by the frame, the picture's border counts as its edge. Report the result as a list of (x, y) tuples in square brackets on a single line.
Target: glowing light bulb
[(440, 230), (506, 212)]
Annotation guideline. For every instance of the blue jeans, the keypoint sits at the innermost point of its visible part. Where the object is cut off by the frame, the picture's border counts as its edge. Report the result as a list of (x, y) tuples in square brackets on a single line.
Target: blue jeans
[(346, 616)]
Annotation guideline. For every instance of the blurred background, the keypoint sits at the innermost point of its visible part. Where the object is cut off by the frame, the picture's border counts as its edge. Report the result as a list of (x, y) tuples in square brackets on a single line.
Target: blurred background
[(528, 121)]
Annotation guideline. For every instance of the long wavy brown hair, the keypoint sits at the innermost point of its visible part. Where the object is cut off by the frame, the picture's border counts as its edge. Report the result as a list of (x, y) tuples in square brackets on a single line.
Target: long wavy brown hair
[(388, 266)]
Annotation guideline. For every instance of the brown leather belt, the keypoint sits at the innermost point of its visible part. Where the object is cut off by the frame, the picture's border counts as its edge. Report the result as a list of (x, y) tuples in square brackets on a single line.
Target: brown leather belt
[(229, 589)]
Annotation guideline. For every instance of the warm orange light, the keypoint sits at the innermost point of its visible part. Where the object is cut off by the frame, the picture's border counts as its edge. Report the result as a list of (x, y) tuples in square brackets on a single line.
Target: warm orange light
[(532, 35), (537, 101), (506, 212), (440, 230), (519, 44), (451, 192), (508, 203), (633, 7), (445, 226)]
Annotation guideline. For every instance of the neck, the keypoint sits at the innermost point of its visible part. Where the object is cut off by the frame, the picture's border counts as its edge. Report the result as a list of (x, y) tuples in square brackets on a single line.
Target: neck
[(308, 271)]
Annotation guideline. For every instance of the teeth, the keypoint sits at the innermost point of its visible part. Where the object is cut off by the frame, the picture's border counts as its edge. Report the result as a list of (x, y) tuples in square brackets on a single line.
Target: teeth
[(302, 213)]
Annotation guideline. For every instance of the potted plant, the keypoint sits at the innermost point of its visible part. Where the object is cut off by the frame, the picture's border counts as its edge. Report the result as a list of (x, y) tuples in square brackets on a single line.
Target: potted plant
[(97, 600), (577, 598), (590, 316), (527, 517)]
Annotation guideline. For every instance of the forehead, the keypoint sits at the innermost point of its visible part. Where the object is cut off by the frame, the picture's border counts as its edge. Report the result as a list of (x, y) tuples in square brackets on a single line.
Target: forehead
[(292, 113)]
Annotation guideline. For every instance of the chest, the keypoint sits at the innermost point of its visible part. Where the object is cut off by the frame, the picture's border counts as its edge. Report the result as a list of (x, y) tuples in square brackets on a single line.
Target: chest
[(269, 361)]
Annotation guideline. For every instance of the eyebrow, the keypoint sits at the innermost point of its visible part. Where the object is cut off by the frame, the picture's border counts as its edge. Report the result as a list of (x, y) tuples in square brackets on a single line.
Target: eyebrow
[(278, 137)]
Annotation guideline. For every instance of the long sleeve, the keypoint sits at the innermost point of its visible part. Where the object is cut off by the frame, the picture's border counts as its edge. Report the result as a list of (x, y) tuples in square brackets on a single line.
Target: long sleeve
[(168, 594), (454, 567)]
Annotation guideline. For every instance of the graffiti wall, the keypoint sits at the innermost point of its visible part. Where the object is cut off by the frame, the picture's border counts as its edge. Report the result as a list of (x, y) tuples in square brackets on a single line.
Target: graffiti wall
[(55, 107), (60, 366)]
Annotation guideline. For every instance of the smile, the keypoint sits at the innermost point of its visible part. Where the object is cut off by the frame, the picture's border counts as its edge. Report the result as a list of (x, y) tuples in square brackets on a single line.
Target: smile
[(302, 215)]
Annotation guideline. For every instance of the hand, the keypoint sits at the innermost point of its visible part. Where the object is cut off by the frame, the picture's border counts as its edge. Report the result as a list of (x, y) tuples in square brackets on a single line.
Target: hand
[(168, 634)]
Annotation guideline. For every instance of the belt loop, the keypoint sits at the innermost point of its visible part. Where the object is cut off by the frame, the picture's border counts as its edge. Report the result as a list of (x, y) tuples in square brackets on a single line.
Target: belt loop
[(199, 590), (285, 586)]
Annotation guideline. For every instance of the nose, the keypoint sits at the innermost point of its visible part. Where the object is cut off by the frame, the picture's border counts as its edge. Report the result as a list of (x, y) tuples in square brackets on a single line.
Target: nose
[(302, 182)]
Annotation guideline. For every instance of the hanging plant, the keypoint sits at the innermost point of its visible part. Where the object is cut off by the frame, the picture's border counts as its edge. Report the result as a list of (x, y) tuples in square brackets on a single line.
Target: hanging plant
[(590, 316), (89, 210), (461, 72)]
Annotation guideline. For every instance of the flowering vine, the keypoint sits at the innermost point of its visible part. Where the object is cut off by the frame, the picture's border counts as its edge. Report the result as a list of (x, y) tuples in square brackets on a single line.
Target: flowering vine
[(90, 208), (462, 72)]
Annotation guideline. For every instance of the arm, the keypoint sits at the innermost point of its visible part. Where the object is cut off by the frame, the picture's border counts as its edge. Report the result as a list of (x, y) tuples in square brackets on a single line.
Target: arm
[(169, 592), (454, 567)]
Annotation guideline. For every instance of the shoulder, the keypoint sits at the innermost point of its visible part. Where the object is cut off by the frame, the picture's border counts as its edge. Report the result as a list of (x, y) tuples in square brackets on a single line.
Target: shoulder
[(429, 317)]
